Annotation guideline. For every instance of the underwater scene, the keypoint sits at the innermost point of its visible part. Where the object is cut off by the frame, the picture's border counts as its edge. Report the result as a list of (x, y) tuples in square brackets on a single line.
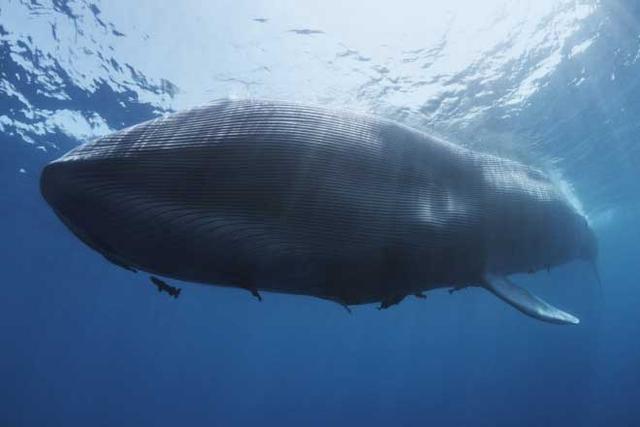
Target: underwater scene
[(336, 213)]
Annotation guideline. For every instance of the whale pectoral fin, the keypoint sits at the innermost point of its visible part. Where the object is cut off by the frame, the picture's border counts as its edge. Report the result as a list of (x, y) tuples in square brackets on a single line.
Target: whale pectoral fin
[(526, 302)]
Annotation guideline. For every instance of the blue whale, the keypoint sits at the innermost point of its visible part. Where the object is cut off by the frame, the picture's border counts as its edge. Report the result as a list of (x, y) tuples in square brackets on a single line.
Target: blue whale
[(283, 197)]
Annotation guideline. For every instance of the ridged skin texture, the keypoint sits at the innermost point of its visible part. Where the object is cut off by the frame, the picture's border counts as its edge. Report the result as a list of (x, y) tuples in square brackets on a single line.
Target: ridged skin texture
[(300, 199)]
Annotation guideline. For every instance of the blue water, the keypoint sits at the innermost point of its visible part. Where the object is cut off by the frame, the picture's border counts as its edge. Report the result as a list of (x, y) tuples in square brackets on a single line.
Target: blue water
[(83, 342)]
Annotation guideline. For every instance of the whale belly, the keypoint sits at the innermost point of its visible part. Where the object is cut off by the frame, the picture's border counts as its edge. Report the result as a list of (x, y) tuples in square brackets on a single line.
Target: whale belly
[(277, 196)]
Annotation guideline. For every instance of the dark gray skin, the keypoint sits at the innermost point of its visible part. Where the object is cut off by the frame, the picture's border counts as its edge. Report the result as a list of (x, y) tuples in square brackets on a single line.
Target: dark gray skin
[(283, 197)]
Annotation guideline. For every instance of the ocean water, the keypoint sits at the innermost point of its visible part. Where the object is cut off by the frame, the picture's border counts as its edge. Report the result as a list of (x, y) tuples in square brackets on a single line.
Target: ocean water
[(551, 83)]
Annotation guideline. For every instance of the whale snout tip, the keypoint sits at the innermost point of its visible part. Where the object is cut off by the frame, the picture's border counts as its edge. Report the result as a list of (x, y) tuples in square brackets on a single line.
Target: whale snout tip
[(57, 184), (51, 182), (59, 188)]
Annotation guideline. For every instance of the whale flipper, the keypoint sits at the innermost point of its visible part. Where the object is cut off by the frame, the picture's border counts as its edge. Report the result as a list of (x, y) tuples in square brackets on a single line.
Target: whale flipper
[(526, 302)]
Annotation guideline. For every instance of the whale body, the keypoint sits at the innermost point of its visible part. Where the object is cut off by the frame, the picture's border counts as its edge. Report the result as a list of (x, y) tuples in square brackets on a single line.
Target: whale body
[(283, 197)]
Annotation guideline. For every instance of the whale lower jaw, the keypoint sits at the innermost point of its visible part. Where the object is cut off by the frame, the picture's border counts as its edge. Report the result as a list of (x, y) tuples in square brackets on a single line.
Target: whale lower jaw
[(526, 302)]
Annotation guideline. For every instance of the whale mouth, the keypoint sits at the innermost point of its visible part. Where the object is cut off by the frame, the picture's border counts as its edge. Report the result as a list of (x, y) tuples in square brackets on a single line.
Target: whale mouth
[(527, 303)]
